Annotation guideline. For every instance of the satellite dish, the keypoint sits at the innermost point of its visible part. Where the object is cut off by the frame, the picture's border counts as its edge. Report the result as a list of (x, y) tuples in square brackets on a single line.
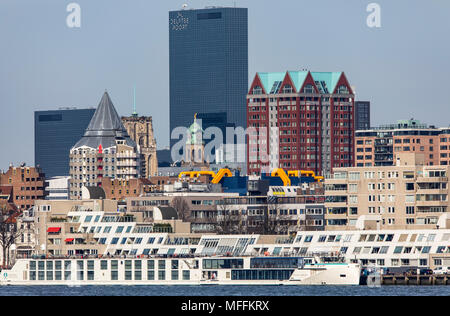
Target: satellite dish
[(184, 6)]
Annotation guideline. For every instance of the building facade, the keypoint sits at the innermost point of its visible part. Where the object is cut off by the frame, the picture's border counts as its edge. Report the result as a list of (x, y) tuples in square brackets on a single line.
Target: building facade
[(379, 146), (55, 133), (300, 120), (57, 188), (408, 195), (105, 150), (140, 129), (362, 115), (28, 185), (208, 51)]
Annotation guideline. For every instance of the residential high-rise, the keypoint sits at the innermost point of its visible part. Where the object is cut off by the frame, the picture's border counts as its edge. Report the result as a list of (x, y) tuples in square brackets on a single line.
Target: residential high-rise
[(362, 115), (55, 132), (208, 64), (405, 195), (303, 121), (105, 150), (27, 183), (378, 146)]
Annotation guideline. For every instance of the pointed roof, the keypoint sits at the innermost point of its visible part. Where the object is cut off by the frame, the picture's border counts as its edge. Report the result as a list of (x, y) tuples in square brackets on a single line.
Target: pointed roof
[(330, 78), (269, 78), (105, 127), (327, 80), (298, 78)]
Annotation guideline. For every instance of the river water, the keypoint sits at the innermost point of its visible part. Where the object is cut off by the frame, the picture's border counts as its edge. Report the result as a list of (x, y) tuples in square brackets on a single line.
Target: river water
[(214, 290)]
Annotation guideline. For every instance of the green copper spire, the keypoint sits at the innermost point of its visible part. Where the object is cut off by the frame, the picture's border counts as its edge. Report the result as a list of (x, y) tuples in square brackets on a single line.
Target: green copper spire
[(134, 102)]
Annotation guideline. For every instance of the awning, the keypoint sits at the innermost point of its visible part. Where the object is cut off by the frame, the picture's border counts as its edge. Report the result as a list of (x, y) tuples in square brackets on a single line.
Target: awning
[(53, 229), (69, 239)]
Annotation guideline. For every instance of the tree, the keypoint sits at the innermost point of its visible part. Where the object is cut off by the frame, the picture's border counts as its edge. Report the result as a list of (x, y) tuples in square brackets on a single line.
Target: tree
[(229, 221), (8, 233), (182, 207), (270, 225)]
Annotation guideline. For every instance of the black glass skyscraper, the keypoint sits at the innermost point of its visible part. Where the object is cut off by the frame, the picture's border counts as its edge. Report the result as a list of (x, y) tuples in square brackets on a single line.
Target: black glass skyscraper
[(208, 64), (55, 133)]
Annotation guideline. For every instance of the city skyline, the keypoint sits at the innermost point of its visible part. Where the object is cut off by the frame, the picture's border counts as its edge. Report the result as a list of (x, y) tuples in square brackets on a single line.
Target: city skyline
[(46, 65)]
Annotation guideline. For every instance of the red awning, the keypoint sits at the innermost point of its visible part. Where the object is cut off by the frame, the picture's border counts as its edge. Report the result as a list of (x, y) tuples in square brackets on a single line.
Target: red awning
[(53, 229), (69, 239)]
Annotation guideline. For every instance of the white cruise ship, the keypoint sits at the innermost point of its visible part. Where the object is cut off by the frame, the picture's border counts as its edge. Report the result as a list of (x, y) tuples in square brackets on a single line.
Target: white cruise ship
[(183, 271)]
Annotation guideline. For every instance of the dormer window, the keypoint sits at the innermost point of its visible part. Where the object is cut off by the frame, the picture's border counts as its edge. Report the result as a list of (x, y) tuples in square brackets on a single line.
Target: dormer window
[(287, 88), (308, 89), (342, 89), (257, 90)]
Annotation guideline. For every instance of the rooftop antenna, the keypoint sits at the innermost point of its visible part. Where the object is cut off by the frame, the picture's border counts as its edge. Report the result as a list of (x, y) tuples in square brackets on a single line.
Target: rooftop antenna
[(134, 102)]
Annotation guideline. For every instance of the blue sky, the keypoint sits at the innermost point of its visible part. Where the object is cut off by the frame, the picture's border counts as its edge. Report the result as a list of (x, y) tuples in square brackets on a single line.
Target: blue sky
[(402, 68)]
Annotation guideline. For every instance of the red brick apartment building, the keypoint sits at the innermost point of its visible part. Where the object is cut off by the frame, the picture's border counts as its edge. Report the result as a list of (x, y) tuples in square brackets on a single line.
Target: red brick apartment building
[(303, 120)]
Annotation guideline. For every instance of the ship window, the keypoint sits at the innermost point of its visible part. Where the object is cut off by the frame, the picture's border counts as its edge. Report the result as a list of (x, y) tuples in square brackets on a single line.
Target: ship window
[(58, 265), (161, 264), (174, 274), (114, 275), (161, 275), (150, 264), (114, 265), (150, 275), (186, 275), (398, 249), (128, 275), (138, 275), (137, 264), (67, 275), (104, 265), (58, 275)]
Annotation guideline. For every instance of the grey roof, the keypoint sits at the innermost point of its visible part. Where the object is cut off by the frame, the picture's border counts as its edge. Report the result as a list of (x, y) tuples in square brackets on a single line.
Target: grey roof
[(105, 127), (168, 212), (96, 193)]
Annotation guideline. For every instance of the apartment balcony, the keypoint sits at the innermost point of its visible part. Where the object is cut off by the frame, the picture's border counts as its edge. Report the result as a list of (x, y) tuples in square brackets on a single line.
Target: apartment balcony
[(126, 164), (431, 203), (126, 155), (431, 179)]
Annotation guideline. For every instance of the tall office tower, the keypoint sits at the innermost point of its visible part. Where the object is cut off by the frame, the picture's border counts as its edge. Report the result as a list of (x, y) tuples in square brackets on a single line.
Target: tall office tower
[(208, 64), (362, 115), (302, 120), (105, 150), (55, 132)]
